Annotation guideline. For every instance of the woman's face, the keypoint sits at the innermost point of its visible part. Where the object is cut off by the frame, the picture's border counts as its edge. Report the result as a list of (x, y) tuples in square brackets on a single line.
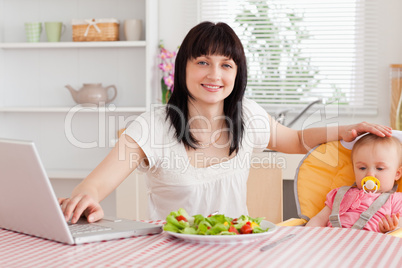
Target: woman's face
[(210, 78), (378, 160)]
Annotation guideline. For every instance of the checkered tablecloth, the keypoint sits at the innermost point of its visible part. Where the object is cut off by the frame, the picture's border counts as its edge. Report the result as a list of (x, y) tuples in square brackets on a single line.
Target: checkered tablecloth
[(311, 247)]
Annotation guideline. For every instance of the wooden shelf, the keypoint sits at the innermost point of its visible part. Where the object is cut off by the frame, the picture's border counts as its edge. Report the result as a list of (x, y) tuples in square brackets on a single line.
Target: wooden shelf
[(24, 45), (85, 109)]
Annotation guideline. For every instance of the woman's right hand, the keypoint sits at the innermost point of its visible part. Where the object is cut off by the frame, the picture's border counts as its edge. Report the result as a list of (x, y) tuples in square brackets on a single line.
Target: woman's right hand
[(110, 173), (78, 205)]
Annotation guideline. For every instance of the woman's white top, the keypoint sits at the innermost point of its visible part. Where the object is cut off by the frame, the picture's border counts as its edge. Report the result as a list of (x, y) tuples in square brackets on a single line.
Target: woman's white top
[(174, 183)]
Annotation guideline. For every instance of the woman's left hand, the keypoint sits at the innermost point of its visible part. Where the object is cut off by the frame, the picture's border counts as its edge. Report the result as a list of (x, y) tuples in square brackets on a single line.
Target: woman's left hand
[(349, 133)]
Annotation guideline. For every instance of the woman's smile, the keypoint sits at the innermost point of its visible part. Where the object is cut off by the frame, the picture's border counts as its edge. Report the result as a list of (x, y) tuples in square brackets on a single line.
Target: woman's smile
[(211, 88)]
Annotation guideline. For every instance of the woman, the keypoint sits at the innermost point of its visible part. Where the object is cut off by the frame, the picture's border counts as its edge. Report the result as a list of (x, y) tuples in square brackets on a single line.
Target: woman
[(197, 150)]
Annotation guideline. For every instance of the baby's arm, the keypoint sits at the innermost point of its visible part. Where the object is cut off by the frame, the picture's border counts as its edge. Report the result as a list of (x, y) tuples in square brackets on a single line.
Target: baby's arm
[(321, 219), (389, 223)]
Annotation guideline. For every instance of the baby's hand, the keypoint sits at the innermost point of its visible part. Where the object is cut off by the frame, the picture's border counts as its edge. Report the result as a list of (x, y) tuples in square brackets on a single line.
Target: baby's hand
[(389, 223)]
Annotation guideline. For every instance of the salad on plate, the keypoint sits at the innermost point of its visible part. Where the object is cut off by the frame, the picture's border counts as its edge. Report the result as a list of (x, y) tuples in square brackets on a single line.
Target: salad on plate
[(181, 222)]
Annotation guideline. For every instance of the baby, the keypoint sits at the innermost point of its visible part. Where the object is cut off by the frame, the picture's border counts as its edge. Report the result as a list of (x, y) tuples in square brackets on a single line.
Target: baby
[(377, 164)]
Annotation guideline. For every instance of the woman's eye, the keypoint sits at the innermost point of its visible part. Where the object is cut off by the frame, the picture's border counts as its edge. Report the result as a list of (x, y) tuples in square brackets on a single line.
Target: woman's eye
[(202, 63), (227, 66)]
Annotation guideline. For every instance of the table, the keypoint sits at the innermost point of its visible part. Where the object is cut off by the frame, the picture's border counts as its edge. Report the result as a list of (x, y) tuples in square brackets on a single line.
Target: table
[(311, 247)]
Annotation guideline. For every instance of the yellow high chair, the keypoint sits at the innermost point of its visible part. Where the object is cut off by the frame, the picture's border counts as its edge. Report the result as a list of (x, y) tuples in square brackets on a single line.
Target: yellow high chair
[(325, 167)]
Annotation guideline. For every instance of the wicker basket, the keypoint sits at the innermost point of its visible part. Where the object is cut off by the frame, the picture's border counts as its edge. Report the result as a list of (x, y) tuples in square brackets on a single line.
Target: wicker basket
[(95, 30)]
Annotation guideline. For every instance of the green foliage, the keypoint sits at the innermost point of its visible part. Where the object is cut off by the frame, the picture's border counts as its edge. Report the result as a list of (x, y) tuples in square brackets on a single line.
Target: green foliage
[(274, 53)]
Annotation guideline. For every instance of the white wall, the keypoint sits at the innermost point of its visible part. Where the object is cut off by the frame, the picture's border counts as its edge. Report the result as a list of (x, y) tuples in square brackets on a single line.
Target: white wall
[(176, 17), (174, 22)]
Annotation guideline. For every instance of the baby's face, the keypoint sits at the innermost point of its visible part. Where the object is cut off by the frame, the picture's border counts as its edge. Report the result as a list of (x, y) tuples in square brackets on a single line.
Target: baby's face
[(377, 160)]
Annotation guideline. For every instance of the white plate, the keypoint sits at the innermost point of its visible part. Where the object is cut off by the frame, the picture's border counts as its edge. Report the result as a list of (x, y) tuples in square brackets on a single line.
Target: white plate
[(225, 239)]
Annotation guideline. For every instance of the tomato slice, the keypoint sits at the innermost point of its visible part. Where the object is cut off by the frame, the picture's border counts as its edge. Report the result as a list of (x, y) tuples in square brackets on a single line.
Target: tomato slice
[(246, 229), (181, 218), (232, 229)]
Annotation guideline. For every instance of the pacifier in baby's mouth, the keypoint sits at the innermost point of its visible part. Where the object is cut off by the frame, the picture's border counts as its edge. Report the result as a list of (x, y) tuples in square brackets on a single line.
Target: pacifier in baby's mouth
[(371, 184)]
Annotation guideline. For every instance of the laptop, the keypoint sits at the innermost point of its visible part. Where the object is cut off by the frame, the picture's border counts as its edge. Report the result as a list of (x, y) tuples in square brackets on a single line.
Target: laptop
[(29, 205)]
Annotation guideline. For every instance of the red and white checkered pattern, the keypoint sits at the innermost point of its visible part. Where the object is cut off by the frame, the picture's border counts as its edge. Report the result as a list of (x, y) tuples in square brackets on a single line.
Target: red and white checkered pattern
[(311, 247)]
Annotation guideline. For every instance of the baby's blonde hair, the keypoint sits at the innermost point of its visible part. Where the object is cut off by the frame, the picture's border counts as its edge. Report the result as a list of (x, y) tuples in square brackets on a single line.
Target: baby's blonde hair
[(372, 138)]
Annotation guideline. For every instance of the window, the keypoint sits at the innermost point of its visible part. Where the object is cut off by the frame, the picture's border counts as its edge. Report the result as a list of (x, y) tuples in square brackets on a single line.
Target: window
[(299, 51)]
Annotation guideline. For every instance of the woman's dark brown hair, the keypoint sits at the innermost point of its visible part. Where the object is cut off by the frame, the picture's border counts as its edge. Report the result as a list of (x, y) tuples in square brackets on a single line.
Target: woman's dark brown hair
[(208, 38)]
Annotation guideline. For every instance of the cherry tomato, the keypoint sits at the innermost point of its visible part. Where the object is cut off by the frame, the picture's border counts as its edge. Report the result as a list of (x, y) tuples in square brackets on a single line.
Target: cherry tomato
[(246, 229), (232, 229), (181, 218)]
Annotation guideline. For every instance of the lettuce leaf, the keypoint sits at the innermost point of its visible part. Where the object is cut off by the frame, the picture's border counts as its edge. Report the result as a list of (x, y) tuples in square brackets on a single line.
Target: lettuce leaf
[(203, 228), (189, 230), (257, 230), (227, 233), (217, 229), (179, 224), (171, 228)]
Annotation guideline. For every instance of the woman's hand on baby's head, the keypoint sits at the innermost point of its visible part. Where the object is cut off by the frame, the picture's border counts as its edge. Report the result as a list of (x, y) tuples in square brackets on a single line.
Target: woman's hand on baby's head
[(389, 223), (351, 132), (81, 204)]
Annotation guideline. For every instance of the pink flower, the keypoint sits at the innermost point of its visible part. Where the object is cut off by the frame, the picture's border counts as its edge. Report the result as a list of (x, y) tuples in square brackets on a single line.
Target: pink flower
[(169, 80), (166, 66), (170, 55), (164, 54)]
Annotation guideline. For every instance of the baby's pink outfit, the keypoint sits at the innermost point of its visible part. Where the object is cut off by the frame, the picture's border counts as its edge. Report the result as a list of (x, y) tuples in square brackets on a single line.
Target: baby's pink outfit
[(357, 201)]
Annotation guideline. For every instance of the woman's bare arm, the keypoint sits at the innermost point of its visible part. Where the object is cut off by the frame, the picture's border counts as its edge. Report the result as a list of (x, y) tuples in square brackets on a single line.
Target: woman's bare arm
[(293, 141), (123, 159)]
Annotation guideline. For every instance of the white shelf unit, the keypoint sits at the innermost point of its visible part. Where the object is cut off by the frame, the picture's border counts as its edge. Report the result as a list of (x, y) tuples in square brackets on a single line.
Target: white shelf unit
[(34, 102), (74, 44), (74, 109)]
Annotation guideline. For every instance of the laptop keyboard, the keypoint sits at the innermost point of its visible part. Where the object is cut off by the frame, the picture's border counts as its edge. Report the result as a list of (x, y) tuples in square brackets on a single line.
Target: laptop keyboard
[(87, 228)]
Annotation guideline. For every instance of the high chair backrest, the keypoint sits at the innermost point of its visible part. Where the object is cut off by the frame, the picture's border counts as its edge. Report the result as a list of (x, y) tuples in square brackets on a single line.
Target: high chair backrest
[(326, 167)]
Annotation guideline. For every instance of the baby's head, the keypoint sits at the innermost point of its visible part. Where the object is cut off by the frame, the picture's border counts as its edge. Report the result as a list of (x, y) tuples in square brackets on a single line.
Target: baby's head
[(379, 157)]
